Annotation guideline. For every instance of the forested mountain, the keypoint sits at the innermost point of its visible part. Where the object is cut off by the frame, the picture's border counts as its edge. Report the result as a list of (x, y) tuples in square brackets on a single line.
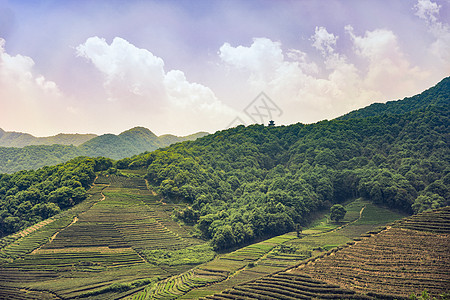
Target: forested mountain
[(131, 142), (19, 139), (438, 96), (248, 182), (128, 143)]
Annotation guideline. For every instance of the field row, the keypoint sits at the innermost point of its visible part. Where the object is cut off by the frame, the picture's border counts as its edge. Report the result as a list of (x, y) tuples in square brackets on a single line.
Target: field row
[(437, 221), (95, 252), (403, 261), (340, 265), (288, 286)]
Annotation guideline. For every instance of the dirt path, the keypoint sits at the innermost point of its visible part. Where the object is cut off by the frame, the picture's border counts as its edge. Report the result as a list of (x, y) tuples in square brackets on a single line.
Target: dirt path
[(75, 219), (41, 224)]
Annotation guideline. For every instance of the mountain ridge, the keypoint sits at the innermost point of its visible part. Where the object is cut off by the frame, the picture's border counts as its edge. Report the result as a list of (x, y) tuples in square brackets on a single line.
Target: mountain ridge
[(126, 144), (437, 95), (21, 139)]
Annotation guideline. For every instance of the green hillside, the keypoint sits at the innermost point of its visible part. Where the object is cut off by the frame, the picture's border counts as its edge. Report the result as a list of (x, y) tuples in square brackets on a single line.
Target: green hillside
[(436, 96), (244, 183), (19, 139), (126, 144), (102, 248), (394, 263)]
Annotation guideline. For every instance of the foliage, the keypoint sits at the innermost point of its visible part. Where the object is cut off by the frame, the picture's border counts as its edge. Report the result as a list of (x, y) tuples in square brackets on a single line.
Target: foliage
[(247, 182), (433, 96), (187, 256), (337, 212), (27, 197)]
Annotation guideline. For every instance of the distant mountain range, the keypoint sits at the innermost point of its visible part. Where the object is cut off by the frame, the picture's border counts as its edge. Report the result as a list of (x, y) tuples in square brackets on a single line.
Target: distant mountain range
[(22, 151), (19, 139)]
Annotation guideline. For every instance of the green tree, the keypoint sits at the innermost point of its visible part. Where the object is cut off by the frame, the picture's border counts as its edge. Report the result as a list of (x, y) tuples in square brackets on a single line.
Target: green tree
[(337, 212)]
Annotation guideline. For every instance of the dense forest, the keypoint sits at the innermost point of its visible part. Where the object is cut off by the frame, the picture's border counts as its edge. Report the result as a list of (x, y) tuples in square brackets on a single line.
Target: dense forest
[(39, 152), (248, 182)]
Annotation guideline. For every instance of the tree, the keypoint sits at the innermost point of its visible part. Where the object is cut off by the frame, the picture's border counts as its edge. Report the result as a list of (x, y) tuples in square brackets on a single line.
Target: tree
[(337, 212), (298, 228)]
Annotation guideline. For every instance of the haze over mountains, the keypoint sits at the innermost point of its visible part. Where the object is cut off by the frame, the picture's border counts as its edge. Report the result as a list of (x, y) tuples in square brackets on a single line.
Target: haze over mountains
[(20, 139), (19, 151)]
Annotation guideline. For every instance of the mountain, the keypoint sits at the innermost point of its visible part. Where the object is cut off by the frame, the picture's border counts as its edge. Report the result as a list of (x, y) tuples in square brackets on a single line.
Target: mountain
[(126, 144), (234, 187), (131, 142), (437, 95), (246, 183), (19, 139)]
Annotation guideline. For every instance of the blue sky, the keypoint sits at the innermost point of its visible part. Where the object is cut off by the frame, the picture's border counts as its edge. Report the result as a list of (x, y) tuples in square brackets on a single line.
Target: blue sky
[(185, 66)]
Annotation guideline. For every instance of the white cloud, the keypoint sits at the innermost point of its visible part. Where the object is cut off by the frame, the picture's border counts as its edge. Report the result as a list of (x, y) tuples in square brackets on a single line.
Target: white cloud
[(292, 81), (17, 72), (128, 70), (429, 11), (387, 63), (135, 78), (25, 97), (324, 41), (308, 93)]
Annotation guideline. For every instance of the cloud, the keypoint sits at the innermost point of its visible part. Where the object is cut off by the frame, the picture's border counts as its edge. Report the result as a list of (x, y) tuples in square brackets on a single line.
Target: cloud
[(292, 80), (135, 81), (307, 93), (262, 59), (324, 41), (17, 72), (387, 62), (25, 97), (129, 72), (429, 11)]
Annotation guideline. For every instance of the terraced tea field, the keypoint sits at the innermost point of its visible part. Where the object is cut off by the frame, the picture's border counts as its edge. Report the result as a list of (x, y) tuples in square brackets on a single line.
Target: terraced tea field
[(269, 256), (390, 264), (96, 249), (122, 243)]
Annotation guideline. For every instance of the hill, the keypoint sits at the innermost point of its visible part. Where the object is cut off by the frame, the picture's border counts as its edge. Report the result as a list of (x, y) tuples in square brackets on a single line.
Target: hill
[(19, 139), (128, 143), (102, 248), (251, 182), (131, 142), (438, 95), (244, 183), (391, 264)]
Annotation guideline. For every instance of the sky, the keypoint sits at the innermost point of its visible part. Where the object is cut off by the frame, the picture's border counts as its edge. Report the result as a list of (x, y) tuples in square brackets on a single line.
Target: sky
[(181, 67)]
